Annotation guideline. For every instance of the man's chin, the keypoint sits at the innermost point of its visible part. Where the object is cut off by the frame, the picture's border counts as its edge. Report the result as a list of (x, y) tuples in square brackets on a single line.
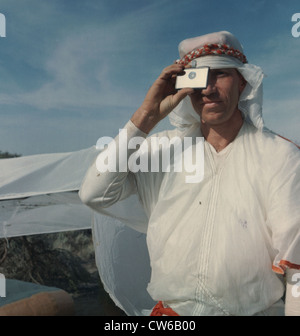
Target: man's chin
[(213, 117)]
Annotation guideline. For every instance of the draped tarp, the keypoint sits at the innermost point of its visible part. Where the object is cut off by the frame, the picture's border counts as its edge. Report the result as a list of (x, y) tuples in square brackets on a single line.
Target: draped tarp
[(39, 194)]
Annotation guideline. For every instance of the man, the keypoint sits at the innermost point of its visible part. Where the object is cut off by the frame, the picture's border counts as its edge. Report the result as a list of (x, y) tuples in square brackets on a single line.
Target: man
[(222, 245)]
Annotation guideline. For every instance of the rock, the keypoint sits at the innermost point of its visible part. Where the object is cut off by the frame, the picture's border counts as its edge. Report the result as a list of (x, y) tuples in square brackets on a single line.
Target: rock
[(64, 260)]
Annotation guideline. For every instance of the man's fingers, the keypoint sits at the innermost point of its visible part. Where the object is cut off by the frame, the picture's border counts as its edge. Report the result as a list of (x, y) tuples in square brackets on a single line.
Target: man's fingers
[(181, 94), (171, 70), (170, 102)]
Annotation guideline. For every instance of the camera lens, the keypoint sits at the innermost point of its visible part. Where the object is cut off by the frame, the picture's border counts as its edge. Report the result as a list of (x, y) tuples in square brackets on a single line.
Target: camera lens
[(192, 75)]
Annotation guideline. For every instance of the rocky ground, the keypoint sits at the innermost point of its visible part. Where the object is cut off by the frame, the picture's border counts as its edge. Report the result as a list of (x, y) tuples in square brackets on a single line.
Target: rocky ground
[(63, 260)]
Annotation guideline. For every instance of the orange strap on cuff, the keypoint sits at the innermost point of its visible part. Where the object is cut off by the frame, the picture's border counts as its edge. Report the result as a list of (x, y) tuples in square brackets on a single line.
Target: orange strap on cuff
[(160, 310), (283, 265)]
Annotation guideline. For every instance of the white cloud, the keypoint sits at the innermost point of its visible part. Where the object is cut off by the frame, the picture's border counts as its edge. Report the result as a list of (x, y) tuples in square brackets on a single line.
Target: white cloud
[(81, 69), (79, 76)]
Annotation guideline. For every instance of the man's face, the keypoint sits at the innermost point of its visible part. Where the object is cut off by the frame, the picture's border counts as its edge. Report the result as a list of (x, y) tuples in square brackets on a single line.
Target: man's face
[(219, 101)]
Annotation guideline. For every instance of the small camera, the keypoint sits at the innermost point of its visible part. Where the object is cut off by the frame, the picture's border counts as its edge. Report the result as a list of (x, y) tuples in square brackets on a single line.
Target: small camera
[(195, 78)]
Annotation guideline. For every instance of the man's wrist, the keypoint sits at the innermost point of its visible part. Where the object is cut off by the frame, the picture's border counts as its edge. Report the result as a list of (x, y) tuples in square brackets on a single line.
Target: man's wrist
[(144, 120)]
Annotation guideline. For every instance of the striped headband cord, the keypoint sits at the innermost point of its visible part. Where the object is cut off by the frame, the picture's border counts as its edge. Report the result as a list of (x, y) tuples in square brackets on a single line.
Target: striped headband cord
[(213, 49)]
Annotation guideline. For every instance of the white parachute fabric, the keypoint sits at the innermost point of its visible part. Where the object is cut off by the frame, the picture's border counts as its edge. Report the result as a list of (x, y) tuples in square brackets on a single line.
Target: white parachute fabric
[(123, 262), (39, 194), (43, 214), (43, 174)]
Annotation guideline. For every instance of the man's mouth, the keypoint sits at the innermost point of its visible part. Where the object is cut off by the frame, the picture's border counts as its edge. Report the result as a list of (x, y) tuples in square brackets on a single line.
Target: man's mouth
[(211, 103)]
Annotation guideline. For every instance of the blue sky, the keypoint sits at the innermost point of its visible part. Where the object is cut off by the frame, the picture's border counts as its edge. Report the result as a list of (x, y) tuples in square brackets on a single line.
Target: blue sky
[(72, 71)]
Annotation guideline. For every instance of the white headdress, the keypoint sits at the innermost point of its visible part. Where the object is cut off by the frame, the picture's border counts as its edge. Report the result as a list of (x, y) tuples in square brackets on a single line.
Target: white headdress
[(218, 51)]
